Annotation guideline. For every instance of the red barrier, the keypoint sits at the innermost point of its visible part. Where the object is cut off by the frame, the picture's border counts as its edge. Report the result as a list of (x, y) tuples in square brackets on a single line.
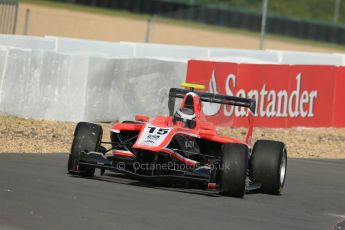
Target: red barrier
[(286, 95), (339, 99)]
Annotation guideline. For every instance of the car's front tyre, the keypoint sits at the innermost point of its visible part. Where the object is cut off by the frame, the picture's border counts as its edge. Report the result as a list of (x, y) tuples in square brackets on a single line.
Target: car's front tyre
[(268, 165), (233, 170), (87, 137)]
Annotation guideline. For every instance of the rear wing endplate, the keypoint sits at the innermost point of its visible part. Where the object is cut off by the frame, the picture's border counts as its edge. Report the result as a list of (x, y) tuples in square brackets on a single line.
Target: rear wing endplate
[(212, 98)]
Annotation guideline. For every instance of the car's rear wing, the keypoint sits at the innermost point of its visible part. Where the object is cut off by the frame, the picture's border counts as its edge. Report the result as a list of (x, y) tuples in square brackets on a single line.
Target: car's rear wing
[(212, 98)]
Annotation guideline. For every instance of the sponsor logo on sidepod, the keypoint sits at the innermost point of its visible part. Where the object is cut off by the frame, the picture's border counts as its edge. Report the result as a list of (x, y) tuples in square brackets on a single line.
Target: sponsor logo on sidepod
[(270, 103)]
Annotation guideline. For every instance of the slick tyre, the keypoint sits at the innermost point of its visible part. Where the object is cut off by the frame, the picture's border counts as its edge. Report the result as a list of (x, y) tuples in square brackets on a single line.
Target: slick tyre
[(233, 170), (268, 166), (87, 137)]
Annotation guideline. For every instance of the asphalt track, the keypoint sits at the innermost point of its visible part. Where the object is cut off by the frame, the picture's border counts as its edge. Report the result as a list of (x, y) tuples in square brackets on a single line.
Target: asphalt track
[(36, 193)]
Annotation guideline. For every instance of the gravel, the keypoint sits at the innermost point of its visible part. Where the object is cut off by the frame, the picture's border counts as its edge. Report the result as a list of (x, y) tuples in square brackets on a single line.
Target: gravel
[(18, 135)]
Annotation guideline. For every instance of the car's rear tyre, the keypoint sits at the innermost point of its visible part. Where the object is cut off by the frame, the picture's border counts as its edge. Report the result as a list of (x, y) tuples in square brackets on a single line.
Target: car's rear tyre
[(87, 137), (233, 170), (268, 165)]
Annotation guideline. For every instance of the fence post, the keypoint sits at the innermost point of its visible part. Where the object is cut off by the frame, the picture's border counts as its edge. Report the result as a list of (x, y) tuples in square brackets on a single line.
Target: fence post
[(263, 24), (148, 29), (5, 21), (336, 11), (26, 23), (15, 19)]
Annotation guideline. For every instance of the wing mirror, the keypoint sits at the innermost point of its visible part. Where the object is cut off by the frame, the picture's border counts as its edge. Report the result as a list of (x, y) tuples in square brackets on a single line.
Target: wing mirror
[(142, 118)]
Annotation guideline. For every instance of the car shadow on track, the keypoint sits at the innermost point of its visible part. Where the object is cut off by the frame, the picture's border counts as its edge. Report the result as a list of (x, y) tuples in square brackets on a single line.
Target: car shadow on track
[(127, 180)]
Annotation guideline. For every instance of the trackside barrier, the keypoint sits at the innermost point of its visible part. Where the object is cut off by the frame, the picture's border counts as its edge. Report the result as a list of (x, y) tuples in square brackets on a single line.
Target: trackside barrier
[(286, 95), (27, 42), (44, 85), (71, 79), (289, 57), (91, 47), (167, 51), (144, 50), (122, 88), (266, 56), (50, 85)]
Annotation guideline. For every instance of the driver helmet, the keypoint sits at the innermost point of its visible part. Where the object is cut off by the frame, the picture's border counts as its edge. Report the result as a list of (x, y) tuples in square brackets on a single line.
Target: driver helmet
[(186, 116)]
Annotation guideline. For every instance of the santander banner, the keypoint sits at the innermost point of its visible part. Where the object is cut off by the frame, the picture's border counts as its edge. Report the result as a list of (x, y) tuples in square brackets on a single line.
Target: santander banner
[(286, 95)]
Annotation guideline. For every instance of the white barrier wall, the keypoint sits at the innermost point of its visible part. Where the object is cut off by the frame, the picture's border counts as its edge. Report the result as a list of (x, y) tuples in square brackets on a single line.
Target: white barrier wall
[(55, 86), (91, 47), (43, 84), (266, 56), (122, 88), (72, 79), (308, 58), (27, 42), (144, 50)]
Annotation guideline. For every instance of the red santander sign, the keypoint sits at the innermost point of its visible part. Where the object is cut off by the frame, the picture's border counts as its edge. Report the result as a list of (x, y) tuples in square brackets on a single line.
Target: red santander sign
[(286, 95)]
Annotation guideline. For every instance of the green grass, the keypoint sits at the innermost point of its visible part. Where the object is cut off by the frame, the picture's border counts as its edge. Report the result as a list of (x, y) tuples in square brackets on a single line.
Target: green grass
[(182, 23), (88, 9), (319, 10), (249, 33)]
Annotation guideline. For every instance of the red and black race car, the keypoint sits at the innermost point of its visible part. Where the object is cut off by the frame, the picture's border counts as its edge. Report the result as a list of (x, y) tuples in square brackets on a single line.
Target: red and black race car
[(183, 148)]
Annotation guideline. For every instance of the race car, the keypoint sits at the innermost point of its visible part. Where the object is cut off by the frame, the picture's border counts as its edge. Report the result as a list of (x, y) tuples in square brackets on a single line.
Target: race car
[(183, 148)]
